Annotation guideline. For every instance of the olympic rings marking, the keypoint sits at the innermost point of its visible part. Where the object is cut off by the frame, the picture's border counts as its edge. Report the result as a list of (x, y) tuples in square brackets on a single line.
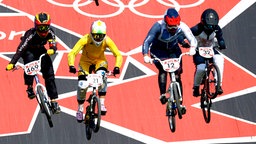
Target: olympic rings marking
[(119, 4)]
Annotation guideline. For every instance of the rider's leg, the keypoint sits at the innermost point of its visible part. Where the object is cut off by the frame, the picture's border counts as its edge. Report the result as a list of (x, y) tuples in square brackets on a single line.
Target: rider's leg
[(28, 57), (49, 77), (101, 68), (81, 93), (219, 61), (162, 82), (199, 73), (102, 90)]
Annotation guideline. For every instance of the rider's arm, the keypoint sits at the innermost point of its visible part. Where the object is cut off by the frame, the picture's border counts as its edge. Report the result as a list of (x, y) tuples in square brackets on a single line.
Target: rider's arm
[(153, 32), (197, 29), (22, 46), (219, 36), (52, 42), (113, 48), (76, 49), (189, 35)]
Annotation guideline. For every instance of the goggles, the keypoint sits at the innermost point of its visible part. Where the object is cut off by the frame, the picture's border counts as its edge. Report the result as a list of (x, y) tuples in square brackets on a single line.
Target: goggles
[(98, 37), (172, 27), (42, 28)]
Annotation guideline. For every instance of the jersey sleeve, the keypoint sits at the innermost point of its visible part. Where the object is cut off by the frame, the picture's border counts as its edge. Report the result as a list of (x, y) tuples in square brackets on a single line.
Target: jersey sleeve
[(113, 48), (155, 29), (76, 49), (189, 35), (22, 46)]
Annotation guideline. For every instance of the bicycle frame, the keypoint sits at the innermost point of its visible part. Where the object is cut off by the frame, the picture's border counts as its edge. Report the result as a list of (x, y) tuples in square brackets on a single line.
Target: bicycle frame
[(206, 95)]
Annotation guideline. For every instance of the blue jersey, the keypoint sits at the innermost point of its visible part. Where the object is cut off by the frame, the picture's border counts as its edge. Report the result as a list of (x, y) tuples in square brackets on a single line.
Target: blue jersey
[(164, 45)]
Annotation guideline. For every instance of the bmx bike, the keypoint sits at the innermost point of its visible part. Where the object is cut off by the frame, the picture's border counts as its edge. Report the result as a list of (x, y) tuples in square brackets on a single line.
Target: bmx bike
[(92, 117), (33, 68), (173, 105), (211, 82)]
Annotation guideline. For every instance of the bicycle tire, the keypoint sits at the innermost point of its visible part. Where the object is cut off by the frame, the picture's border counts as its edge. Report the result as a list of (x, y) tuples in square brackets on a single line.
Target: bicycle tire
[(44, 105), (171, 120), (88, 131), (96, 107), (177, 100), (206, 107), (97, 2), (213, 74)]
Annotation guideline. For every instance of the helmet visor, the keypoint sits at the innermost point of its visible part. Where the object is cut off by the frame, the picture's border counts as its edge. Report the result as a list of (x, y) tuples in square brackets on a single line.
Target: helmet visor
[(172, 28), (42, 28), (98, 37), (209, 27)]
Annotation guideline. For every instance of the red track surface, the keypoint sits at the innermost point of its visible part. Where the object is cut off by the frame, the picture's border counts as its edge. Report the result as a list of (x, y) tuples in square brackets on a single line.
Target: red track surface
[(134, 104)]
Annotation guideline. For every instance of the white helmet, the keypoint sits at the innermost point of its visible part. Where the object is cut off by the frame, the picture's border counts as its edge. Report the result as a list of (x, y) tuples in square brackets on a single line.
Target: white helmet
[(98, 32)]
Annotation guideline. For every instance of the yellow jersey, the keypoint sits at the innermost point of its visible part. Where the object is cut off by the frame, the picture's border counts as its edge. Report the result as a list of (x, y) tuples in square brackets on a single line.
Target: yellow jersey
[(91, 53)]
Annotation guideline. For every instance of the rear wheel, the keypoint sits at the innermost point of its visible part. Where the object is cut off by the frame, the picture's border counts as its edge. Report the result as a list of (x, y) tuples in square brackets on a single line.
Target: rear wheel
[(213, 81), (44, 105), (96, 115)]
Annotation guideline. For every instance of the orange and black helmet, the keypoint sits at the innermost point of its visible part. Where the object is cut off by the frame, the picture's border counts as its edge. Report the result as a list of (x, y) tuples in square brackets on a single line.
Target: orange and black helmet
[(42, 23)]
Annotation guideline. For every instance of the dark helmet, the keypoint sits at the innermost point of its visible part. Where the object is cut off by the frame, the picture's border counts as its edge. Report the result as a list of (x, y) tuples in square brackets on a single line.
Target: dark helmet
[(172, 20), (42, 24), (209, 19)]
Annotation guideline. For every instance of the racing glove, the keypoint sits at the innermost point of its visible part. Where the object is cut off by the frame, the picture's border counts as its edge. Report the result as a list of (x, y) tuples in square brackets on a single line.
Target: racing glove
[(50, 52), (116, 71), (222, 45), (185, 45), (9, 67), (72, 69), (147, 59), (192, 51)]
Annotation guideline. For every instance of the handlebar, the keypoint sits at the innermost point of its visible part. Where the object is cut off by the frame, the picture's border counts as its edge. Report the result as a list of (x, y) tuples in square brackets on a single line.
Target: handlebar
[(213, 47), (108, 73), (157, 59), (20, 66)]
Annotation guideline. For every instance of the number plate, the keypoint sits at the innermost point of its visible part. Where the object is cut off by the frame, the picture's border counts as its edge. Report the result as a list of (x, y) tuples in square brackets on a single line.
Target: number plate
[(171, 65), (206, 52), (32, 68), (95, 80)]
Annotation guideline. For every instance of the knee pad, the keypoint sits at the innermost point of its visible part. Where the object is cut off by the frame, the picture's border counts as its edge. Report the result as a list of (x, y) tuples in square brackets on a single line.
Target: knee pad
[(103, 87), (82, 89)]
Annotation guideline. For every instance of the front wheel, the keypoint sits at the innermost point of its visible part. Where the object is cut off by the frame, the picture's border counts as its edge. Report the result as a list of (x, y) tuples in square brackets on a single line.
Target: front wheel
[(96, 114), (88, 131), (177, 99), (171, 120), (206, 108), (213, 74), (44, 105)]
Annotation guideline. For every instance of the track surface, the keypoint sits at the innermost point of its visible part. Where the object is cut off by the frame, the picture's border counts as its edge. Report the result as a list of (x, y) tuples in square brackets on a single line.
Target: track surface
[(135, 115)]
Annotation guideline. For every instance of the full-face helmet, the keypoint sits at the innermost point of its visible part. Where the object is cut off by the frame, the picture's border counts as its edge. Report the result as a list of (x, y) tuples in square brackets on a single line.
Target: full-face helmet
[(98, 32), (42, 24), (209, 19), (172, 20)]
